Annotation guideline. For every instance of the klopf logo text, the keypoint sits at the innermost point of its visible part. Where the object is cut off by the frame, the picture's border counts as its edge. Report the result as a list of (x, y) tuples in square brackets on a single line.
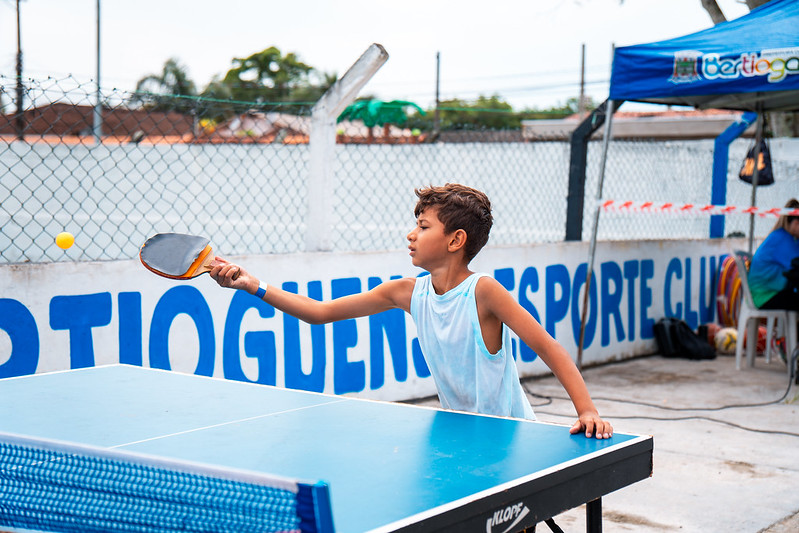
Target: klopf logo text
[(776, 65), (499, 521)]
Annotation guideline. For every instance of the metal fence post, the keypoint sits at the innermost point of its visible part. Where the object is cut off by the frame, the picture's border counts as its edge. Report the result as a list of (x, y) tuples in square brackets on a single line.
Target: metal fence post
[(578, 159), (721, 158), (322, 141)]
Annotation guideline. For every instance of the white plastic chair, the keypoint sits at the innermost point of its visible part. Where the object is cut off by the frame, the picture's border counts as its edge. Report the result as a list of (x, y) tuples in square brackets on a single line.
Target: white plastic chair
[(749, 318)]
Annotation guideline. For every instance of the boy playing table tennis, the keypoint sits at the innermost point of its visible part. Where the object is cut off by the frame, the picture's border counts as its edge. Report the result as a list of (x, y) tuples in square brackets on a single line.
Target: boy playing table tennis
[(463, 319)]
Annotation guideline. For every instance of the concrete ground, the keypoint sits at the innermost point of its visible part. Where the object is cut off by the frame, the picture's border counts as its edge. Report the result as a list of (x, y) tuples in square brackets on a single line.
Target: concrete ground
[(715, 470)]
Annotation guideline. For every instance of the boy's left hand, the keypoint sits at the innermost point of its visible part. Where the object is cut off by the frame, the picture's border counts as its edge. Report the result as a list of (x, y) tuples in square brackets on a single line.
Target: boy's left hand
[(593, 425)]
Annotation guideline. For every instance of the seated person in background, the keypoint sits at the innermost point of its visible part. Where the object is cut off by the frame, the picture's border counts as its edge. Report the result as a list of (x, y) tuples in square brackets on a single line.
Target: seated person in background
[(771, 288)]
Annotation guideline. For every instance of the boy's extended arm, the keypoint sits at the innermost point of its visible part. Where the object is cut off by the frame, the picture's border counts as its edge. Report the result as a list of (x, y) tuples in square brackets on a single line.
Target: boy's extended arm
[(388, 295), (493, 298)]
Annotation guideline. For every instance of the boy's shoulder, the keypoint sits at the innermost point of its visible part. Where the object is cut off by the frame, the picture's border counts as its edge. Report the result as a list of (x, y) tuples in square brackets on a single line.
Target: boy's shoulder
[(400, 285), (487, 287), (394, 292)]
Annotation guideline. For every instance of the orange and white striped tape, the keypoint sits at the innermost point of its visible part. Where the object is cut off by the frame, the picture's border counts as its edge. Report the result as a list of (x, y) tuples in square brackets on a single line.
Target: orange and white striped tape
[(691, 209)]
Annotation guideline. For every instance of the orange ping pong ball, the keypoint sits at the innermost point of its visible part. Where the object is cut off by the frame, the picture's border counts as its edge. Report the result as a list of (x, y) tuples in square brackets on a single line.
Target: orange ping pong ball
[(64, 240)]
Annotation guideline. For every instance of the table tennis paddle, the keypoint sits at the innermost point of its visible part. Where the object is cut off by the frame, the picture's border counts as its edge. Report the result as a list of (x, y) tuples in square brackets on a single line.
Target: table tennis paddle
[(177, 255)]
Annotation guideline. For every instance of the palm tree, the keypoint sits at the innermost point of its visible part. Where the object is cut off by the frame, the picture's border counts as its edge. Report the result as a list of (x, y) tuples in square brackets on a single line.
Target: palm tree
[(166, 91)]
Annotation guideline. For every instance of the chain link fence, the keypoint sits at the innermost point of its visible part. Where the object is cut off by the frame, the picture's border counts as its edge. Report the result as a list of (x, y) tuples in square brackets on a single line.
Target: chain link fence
[(681, 172), (237, 172)]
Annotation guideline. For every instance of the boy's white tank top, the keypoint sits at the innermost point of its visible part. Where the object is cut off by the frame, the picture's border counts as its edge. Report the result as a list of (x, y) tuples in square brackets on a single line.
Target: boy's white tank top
[(467, 376)]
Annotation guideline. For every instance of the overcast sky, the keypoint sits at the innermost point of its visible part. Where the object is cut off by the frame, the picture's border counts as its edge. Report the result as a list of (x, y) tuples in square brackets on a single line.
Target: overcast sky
[(527, 51)]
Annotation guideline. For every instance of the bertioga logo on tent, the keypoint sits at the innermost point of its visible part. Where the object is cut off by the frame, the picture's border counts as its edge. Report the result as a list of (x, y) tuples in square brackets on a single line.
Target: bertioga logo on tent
[(775, 64)]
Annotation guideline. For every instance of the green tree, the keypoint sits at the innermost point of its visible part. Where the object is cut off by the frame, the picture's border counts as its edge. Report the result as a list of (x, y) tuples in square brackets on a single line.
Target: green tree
[(265, 79), (318, 83), (267, 76), (489, 113), (570, 107)]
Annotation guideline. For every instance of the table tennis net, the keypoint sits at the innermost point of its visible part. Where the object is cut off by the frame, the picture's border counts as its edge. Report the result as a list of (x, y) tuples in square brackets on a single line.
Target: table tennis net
[(50, 486)]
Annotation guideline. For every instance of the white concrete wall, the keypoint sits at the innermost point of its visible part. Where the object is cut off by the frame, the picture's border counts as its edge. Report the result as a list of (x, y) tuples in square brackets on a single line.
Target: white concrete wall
[(67, 315)]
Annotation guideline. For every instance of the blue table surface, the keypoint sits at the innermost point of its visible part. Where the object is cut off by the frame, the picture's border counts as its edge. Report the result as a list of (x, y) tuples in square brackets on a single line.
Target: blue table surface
[(384, 461)]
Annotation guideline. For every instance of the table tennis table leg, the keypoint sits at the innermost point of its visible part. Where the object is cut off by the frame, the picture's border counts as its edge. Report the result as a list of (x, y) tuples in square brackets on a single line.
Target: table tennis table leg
[(593, 516)]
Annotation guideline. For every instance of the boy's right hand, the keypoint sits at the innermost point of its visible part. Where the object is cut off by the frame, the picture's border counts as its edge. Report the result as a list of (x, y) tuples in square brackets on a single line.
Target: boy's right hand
[(223, 272), (593, 425)]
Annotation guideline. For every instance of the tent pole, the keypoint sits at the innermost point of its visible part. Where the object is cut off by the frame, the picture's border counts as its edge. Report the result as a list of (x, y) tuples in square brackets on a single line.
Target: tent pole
[(592, 245), (755, 174)]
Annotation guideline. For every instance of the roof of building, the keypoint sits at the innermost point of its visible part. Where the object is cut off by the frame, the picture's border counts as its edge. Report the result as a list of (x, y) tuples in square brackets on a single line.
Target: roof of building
[(662, 124), (64, 119)]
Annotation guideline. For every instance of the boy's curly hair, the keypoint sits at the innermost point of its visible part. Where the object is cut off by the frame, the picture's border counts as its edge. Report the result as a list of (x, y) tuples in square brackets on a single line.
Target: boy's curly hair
[(459, 207)]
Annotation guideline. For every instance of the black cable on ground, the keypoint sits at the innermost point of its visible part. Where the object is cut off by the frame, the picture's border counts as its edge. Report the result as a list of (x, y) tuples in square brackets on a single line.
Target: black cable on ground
[(793, 363), (665, 407)]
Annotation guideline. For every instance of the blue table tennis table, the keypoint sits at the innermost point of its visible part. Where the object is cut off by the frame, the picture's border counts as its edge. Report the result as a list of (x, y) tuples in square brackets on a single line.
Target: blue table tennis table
[(125, 448)]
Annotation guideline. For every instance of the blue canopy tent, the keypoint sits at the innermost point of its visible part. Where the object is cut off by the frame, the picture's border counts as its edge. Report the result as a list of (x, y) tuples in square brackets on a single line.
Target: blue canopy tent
[(750, 64)]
